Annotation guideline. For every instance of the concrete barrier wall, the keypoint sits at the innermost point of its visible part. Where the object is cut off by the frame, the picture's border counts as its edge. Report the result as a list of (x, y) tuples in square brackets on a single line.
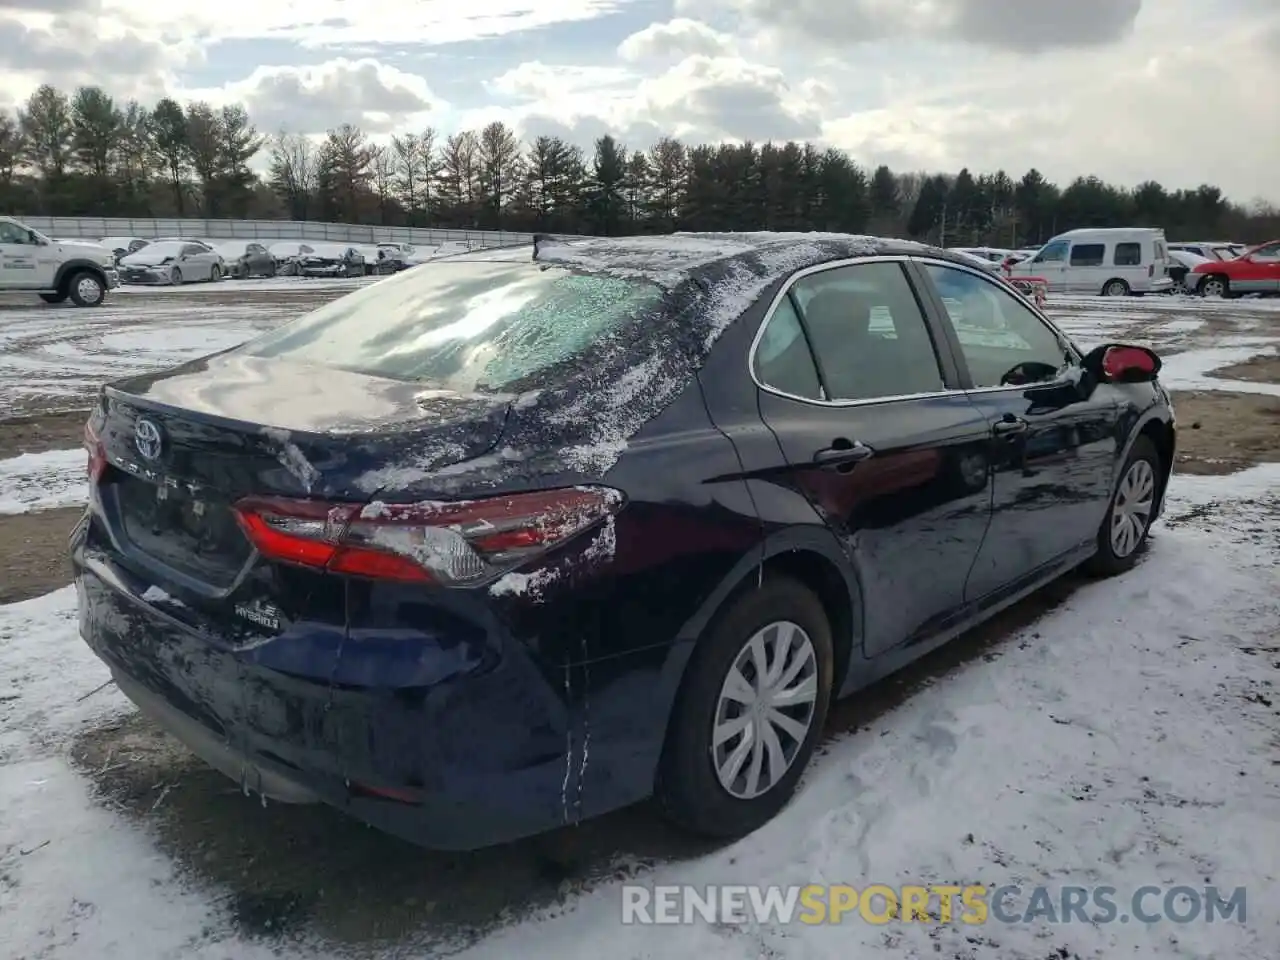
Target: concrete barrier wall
[(96, 228)]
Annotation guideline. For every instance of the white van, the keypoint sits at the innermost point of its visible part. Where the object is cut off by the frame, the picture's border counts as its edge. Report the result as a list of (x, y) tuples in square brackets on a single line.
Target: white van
[(1113, 261)]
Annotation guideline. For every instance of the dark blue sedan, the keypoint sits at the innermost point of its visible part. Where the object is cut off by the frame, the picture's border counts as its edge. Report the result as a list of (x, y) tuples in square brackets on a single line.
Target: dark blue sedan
[(524, 536)]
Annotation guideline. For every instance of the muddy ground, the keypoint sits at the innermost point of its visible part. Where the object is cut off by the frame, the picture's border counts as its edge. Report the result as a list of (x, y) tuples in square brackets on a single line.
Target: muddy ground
[(1220, 432), (1264, 368), (38, 434)]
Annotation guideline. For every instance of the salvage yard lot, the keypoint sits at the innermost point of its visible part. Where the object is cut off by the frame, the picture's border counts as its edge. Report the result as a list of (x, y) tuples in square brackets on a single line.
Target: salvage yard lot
[(1121, 733)]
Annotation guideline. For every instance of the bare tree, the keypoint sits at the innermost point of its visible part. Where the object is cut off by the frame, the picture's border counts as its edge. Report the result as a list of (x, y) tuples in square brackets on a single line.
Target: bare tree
[(382, 163), (416, 168), (294, 172)]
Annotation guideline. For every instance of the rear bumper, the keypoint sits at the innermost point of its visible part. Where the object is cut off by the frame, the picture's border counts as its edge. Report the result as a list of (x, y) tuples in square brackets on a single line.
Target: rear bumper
[(471, 762)]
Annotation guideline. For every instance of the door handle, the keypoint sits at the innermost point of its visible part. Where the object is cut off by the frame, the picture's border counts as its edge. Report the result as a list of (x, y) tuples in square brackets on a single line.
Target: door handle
[(843, 454), (1009, 426)]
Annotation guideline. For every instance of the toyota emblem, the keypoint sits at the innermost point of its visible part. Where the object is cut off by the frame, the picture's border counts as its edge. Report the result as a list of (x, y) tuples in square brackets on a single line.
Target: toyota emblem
[(146, 437)]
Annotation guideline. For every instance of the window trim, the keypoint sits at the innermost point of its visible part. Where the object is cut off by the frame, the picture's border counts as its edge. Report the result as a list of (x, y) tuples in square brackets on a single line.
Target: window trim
[(937, 336), (953, 340)]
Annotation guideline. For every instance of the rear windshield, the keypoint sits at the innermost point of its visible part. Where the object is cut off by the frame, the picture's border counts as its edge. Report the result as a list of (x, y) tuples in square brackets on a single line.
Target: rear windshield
[(468, 325)]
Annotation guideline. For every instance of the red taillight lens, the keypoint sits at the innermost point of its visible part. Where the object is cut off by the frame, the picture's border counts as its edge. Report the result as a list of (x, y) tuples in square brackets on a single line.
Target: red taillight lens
[(453, 543), (1123, 363), (97, 455)]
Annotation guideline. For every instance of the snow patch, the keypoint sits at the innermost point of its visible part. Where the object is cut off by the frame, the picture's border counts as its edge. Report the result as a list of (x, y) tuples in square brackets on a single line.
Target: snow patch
[(43, 481), (292, 458), (154, 594), (1190, 370), (524, 584)]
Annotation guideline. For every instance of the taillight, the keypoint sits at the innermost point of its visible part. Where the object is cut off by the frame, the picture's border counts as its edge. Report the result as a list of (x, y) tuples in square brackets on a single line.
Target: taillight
[(97, 454), (451, 543)]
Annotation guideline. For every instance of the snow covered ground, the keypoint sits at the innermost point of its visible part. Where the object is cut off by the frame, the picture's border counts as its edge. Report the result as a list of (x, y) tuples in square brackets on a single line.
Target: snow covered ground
[(1127, 736)]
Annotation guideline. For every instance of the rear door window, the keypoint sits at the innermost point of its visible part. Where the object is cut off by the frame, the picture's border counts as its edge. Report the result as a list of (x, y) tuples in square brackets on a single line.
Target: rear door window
[(1128, 255), (783, 360), (471, 325), (868, 333)]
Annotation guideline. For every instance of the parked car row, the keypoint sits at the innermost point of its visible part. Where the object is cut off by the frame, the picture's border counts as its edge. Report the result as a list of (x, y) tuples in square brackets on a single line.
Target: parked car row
[(177, 260), (1126, 261)]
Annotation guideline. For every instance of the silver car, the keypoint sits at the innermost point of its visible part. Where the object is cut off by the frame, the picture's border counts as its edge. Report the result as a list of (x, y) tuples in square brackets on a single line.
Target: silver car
[(173, 262)]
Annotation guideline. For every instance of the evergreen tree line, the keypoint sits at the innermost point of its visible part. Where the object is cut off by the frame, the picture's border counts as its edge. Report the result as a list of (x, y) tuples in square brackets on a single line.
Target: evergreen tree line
[(85, 154)]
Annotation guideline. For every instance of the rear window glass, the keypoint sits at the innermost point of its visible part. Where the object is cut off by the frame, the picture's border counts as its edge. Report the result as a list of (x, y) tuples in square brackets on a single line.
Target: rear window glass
[(1128, 255), (471, 325)]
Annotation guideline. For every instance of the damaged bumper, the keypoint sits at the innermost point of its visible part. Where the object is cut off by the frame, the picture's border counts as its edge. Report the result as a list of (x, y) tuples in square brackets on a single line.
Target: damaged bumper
[(474, 760)]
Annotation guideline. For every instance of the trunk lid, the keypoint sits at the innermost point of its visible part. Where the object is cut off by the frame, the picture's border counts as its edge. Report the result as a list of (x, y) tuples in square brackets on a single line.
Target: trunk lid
[(188, 443)]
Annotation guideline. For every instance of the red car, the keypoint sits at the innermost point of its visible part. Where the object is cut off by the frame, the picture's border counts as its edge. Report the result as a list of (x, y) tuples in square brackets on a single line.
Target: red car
[(1254, 271)]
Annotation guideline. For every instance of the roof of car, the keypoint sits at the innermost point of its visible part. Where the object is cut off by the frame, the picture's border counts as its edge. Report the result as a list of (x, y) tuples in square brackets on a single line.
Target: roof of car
[(670, 258)]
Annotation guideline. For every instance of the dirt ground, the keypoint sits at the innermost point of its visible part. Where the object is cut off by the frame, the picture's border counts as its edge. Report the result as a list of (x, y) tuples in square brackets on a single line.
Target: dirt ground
[(1220, 432), (1264, 368), (33, 553), (56, 431)]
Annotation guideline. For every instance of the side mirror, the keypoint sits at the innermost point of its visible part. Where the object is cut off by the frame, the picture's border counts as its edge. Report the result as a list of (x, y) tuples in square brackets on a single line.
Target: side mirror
[(1120, 363)]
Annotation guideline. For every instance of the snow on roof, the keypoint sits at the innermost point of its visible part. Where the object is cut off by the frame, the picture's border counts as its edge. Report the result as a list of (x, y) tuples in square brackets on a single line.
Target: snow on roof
[(669, 259)]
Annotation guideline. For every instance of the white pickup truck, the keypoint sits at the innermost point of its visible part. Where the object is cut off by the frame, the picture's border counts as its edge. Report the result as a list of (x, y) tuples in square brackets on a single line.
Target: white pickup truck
[(57, 270)]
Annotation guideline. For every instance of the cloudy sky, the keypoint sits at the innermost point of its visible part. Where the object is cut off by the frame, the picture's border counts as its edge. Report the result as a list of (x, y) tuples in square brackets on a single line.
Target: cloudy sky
[(1182, 91)]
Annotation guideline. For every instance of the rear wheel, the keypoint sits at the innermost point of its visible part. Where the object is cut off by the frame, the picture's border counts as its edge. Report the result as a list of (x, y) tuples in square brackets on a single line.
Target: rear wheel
[(85, 289), (1115, 288), (750, 711), (1123, 533)]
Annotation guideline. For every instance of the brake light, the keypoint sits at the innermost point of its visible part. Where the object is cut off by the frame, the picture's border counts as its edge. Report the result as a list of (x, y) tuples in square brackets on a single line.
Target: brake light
[(97, 454), (451, 543)]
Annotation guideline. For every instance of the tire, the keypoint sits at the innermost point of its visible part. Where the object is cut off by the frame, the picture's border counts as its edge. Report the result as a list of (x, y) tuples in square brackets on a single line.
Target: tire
[(1179, 288), (1142, 467), (86, 289), (53, 297), (175, 277), (1215, 286), (689, 788), (1115, 288), (271, 270), (215, 273)]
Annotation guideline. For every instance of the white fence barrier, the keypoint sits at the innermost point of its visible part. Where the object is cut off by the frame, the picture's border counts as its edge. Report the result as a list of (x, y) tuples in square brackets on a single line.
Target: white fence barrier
[(96, 228)]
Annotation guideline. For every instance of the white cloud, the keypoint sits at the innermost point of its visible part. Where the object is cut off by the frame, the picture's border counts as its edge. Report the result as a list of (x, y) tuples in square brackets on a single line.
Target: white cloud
[(312, 99), (1008, 24), (699, 98), (333, 22), (675, 38), (539, 81)]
